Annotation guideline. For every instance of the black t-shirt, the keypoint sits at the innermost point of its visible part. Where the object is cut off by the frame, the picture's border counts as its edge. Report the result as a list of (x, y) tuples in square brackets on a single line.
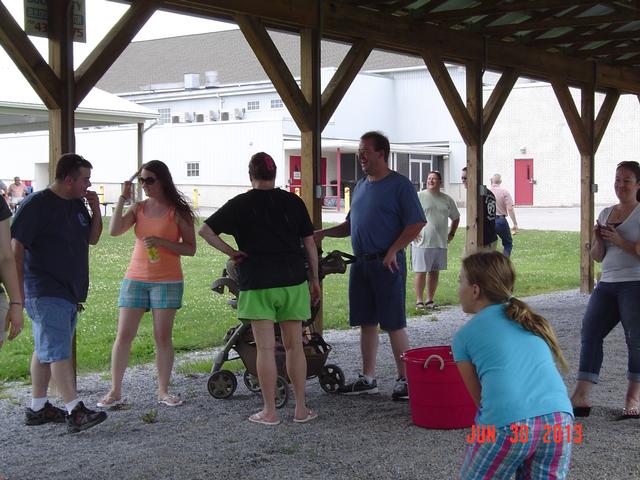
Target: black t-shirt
[(489, 215), (268, 225), (5, 212), (55, 235)]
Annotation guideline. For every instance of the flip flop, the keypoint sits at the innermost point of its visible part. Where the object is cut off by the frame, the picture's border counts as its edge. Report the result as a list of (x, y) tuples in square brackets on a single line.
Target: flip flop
[(170, 401), (419, 305), (256, 418), (310, 416), (108, 401), (629, 413), (430, 305)]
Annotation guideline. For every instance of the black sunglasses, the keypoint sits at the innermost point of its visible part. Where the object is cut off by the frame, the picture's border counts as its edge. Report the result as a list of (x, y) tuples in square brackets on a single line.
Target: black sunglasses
[(146, 181)]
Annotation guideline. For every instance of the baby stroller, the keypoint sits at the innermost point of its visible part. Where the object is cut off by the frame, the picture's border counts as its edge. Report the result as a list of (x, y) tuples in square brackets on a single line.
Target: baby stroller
[(223, 383)]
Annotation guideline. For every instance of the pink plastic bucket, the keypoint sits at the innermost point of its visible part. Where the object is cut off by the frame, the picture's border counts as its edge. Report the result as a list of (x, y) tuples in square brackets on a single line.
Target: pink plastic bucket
[(437, 395)]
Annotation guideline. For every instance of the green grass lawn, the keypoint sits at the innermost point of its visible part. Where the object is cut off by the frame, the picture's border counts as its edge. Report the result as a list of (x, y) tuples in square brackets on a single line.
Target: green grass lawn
[(545, 261)]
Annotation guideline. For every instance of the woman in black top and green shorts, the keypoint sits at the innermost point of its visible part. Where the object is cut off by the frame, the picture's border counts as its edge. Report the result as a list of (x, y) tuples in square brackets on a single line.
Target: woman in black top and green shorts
[(273, 231)]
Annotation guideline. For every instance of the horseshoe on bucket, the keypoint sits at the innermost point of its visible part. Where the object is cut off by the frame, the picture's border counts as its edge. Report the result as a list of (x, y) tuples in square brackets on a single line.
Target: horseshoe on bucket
[(426, 362)]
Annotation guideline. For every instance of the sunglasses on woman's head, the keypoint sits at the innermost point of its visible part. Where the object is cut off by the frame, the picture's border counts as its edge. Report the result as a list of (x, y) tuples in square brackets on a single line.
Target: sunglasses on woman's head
[(146, 181)]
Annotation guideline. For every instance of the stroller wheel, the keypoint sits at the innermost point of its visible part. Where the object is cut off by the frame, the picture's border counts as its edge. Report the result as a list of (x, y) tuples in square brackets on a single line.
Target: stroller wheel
[(251, 381), (331, 378), (222, 384), (282, 392)]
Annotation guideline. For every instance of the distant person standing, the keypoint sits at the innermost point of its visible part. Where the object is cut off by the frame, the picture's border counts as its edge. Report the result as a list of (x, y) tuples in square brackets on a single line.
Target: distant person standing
[(51, 233), (28, 188), (429, 248), (489, 235), (504, 207), (16, 193)]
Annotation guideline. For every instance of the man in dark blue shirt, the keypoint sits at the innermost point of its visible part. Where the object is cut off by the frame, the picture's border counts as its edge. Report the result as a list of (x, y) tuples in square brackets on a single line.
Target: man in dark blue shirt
[(385, 216), (52, 231)]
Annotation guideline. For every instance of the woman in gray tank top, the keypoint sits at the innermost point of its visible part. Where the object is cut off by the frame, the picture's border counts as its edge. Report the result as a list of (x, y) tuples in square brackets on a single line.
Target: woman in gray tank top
[(616, 298)]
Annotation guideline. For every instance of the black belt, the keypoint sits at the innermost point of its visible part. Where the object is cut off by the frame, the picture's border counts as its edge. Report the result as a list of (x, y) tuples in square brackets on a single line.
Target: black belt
[(372, 256), (501, 216)]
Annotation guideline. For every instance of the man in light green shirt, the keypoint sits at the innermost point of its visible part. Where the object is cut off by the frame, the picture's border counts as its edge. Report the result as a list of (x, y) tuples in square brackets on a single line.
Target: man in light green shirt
[(429, 249)]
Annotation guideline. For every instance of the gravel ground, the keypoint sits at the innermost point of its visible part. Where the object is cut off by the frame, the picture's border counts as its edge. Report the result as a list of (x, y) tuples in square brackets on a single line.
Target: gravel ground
[(354, 437)]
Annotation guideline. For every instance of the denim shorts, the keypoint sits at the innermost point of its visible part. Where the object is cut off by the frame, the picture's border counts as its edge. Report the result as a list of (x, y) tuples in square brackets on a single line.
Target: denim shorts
[(276, 304), (377, 295), (53, 321), (137, 294)]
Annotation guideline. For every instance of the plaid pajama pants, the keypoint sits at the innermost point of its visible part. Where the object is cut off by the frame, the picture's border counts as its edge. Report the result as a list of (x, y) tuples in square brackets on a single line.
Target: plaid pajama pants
[(541, 454)]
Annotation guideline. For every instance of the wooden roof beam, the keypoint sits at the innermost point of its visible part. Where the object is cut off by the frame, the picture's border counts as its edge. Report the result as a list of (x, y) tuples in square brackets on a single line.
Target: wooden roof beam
[(451, 97), (570, 111), (611, 48), (342, 79), (604, 115), (111, 47), (597, 36), (497, 100), (276, 69), (565, 21), (28, 60), (516, 6)]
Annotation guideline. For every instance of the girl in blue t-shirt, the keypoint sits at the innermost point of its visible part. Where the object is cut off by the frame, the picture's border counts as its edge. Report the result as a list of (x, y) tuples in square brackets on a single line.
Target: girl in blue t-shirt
[(507, 357)]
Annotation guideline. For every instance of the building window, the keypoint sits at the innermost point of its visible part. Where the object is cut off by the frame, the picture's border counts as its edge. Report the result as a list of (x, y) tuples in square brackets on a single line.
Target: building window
[(419, 168), (253, 105), (193, 169), (277, 103), (165, 115)]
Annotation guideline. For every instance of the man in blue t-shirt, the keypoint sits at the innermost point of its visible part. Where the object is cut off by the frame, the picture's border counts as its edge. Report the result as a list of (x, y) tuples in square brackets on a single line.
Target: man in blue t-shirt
[(52, 231), (385, 216)]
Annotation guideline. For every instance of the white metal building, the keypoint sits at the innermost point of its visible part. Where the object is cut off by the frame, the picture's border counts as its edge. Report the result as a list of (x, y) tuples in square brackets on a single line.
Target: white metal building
[(216, 108)]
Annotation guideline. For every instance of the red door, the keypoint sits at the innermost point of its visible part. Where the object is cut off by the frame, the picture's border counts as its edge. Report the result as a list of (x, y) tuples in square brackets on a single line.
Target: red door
[(524, 181), (295, 176)]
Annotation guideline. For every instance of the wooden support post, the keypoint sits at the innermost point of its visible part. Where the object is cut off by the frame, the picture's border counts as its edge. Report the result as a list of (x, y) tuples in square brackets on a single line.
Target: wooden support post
[(587, 190), (581, 126), (61, 119), (475, 223), (474, 124), (311, 148)]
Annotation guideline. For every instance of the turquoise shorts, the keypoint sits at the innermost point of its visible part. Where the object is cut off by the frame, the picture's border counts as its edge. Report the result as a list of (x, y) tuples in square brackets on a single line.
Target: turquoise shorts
[(276, 304), (137, 294)]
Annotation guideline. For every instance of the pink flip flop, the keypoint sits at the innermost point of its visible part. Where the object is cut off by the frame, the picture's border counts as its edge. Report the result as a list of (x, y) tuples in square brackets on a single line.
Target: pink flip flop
[(170, 401), (256, 418), (108, 401), (310, 416)]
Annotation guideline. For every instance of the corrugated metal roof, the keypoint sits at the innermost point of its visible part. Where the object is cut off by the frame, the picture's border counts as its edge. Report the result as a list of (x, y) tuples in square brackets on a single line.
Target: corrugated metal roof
[(166, 60)]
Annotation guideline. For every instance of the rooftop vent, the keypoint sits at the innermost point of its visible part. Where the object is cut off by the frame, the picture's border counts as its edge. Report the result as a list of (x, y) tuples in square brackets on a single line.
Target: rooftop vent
[(211, 79), (191, 81)]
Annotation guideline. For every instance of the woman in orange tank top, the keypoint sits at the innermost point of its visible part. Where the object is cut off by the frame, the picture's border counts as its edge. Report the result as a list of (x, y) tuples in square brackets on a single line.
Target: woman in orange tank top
[(164, 228)]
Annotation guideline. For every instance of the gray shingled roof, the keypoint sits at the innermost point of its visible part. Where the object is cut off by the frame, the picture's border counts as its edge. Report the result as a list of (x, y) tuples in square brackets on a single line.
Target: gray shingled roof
[(166, 60)]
